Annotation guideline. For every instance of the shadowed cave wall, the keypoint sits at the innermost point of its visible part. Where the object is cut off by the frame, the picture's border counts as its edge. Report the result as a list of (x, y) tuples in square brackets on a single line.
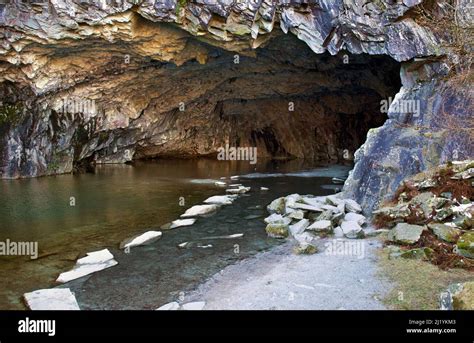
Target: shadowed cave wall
[(283, 99)]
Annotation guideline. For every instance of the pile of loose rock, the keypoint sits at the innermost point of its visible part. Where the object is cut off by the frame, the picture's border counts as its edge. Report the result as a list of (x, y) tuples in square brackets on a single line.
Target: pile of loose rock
[(308, 217), (431, 216)]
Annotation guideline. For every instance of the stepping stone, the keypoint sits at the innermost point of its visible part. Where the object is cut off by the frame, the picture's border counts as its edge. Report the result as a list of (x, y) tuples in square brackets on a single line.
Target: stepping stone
[(182, 222), (220, 200), (58, 299), (199, 210), (142, 239), (93, 262)]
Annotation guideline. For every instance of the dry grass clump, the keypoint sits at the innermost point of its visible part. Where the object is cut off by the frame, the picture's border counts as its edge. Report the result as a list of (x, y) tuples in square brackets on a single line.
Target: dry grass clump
[(418, 284)]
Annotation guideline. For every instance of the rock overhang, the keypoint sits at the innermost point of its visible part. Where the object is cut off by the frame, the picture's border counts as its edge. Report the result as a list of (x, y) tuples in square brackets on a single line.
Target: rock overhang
[(396, 29)]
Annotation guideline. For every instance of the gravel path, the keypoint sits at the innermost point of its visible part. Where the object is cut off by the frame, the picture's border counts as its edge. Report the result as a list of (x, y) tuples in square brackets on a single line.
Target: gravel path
[(281, 280)]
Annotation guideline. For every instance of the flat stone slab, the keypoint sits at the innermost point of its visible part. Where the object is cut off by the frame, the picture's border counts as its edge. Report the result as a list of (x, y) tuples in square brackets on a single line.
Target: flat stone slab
[(142, 239), (311, 208), (199, 210), (317, 202), (182, 222), (93, 262), (220, 200), (238, 190), (59, 299)]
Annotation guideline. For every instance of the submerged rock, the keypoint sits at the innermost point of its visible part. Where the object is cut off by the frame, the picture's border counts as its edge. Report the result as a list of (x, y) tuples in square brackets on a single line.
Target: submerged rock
[(93, 262), (54, 299)]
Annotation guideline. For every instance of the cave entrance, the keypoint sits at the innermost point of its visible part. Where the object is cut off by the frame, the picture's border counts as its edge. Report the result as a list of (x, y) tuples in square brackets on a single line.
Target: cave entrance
[(286, 101), (281, 100)]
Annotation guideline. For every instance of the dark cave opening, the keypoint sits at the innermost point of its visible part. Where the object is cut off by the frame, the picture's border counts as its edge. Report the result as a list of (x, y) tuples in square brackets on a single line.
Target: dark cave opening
[(286, 101), (281, 99)]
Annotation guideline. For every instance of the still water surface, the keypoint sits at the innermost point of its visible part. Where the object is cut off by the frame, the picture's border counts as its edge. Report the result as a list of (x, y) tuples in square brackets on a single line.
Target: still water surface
[(70, 215)]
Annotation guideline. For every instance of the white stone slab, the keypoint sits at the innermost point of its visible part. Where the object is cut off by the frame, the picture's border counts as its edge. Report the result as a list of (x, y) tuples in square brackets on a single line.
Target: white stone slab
[(58, 299), (182, 222), (93, 262), (145, 238), (199, 210), (220, 200)]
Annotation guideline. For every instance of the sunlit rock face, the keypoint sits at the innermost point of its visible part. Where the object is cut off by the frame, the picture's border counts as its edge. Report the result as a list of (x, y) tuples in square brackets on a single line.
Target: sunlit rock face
[(86, 82)]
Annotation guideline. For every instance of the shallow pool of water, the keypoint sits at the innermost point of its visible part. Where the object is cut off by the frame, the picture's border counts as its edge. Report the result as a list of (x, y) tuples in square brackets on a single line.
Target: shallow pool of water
[(70, 215)]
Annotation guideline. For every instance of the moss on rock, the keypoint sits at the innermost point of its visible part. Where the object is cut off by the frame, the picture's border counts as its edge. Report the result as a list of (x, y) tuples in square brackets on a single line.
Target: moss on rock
[(277, 230), (465, 245)]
